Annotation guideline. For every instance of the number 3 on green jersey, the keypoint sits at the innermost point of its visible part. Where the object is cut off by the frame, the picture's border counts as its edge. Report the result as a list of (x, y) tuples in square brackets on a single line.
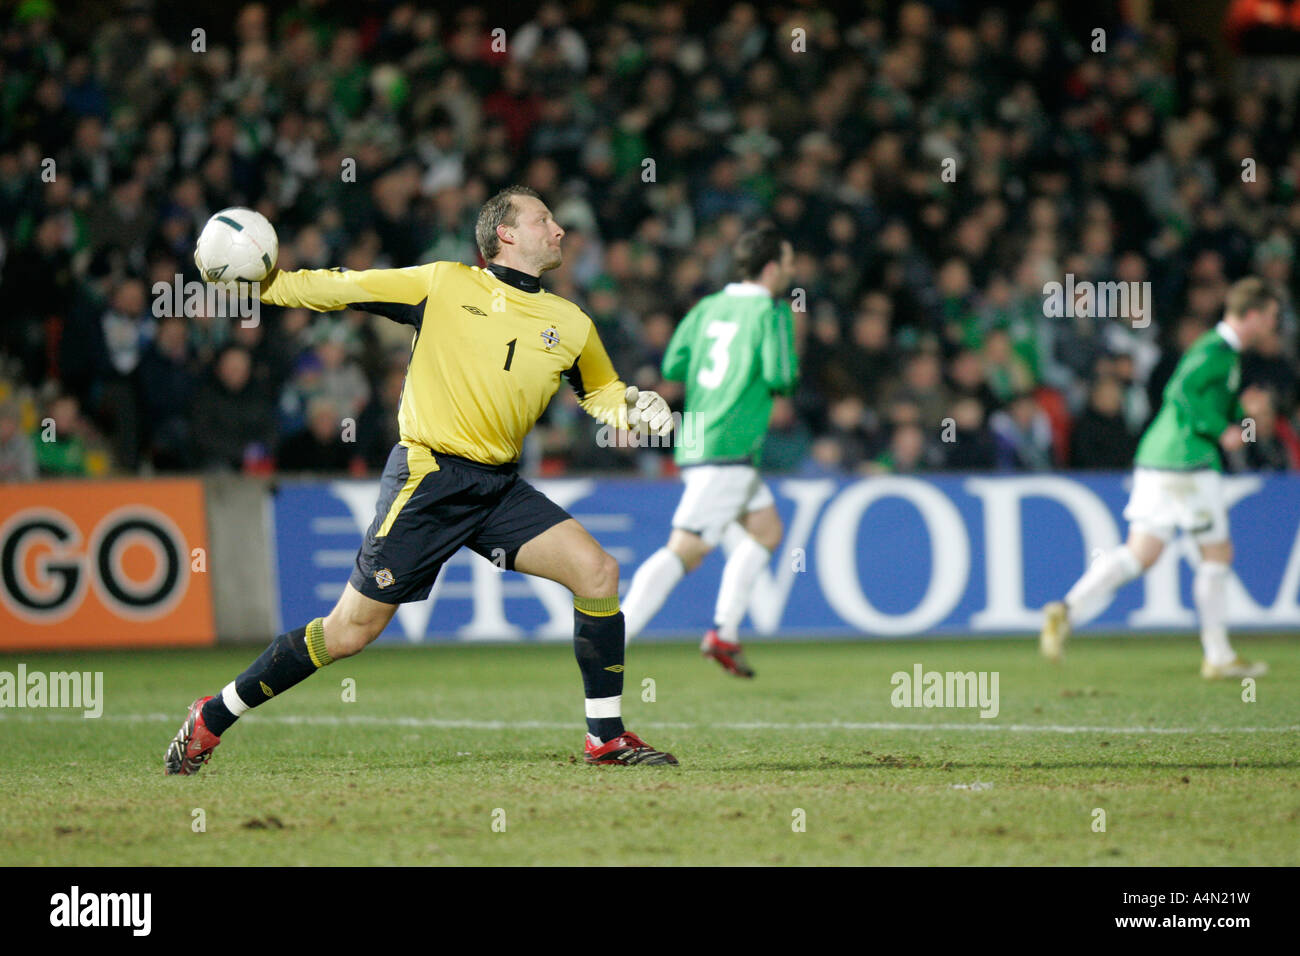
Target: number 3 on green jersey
[(720, 336), (732, 351)]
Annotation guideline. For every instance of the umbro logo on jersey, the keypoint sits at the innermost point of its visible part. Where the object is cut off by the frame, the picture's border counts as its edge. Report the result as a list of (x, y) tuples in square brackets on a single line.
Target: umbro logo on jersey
[(473, 310), (551, 337)]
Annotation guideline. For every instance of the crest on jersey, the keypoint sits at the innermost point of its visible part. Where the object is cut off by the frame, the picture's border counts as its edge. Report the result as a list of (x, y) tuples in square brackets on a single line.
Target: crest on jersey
[(551, 338), (383, 577)]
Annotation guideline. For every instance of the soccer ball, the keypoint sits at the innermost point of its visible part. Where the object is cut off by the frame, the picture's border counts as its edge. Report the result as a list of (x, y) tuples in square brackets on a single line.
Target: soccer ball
[(236, 244)]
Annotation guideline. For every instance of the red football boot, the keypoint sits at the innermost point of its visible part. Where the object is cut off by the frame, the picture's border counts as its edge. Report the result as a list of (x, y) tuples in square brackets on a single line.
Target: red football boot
[(193, 743), (627, 749), (729, 655)]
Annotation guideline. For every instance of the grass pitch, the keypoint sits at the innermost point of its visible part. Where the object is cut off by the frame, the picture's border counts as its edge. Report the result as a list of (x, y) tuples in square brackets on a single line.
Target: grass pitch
[(441, 743)]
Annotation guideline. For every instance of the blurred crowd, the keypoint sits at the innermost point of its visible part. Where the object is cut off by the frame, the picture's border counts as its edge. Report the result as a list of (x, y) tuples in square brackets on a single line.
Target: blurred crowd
[(933, 172)]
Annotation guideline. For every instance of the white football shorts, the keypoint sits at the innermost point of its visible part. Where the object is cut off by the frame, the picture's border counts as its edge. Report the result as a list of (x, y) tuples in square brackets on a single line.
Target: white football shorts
[(717, 495), (1163, 503)]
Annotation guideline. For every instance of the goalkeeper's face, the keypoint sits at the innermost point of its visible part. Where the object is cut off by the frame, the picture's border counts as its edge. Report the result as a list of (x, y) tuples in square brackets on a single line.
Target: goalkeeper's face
[(536, 234)]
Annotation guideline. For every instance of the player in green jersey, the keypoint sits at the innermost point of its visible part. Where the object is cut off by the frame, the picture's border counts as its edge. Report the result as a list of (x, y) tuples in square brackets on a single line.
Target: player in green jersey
[(733, 351), (1176, 484)]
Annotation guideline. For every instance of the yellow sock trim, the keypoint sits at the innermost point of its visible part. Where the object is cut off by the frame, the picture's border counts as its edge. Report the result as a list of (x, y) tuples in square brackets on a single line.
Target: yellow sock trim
[(316, 643), (597, 607)]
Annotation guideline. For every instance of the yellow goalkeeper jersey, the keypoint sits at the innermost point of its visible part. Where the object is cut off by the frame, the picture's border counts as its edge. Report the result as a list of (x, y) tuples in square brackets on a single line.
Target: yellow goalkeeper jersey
[(489, 350)]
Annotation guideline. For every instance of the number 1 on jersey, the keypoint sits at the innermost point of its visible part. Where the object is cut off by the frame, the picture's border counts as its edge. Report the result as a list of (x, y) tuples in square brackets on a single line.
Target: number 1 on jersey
[(510, 352)]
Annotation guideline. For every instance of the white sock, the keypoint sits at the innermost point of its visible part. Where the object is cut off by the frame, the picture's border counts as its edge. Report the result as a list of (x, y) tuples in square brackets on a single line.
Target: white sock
[(234, 703), (738, 577), (602, 707), (651, 585), (1091, 592), (1209, 589)]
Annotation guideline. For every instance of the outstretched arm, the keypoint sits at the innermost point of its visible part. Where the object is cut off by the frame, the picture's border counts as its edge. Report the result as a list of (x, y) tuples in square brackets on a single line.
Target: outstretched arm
[(328, 289)]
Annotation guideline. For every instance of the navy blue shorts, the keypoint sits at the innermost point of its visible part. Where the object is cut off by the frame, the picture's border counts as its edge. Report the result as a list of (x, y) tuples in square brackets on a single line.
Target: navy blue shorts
[(430, 504)]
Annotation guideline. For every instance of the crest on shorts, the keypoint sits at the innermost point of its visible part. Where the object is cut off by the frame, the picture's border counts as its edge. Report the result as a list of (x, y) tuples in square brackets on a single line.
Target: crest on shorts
[(551, 338), (383, 577)]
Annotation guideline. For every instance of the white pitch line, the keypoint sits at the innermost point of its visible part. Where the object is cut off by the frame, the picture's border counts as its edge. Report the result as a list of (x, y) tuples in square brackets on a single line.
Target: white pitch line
[(323, 720)]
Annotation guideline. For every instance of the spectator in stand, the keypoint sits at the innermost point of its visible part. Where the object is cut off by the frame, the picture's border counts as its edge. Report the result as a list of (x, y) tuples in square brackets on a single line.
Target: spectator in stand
[(922, 385), (966, 443), (28, 304), (1269, 367), (65, 443), (17, 456), (1101, 439), (1023, 434), (231, 432), (342, 378), (967, 378), (1006, 372), (1272, 444), (167, 387), (320, 446), (789, 440), (1133, 401), (905, 454), (377, 430), (548, 39), (849, 426), (868, 361), (127, 328)]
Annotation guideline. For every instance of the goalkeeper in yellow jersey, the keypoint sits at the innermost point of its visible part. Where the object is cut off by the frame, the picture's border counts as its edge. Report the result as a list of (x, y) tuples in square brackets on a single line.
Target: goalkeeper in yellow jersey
[(490, 349)]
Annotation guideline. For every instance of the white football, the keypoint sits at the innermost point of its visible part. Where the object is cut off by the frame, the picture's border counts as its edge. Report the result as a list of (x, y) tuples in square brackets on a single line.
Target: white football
[(236, 244)]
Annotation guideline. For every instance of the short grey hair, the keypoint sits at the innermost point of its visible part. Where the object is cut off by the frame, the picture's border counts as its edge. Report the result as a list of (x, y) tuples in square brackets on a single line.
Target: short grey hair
[(498, 211)]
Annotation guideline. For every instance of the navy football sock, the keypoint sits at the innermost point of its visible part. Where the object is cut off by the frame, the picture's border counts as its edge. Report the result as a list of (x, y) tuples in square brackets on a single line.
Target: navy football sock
[(598, 645), (290, 659)]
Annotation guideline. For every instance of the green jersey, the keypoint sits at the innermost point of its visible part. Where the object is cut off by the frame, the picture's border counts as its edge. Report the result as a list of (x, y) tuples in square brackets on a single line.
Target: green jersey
[(67, 456), (733, 350), (1199, 402)]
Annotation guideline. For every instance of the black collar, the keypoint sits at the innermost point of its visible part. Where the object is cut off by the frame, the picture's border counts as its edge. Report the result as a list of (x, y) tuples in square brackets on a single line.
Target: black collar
[(520, 280)]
